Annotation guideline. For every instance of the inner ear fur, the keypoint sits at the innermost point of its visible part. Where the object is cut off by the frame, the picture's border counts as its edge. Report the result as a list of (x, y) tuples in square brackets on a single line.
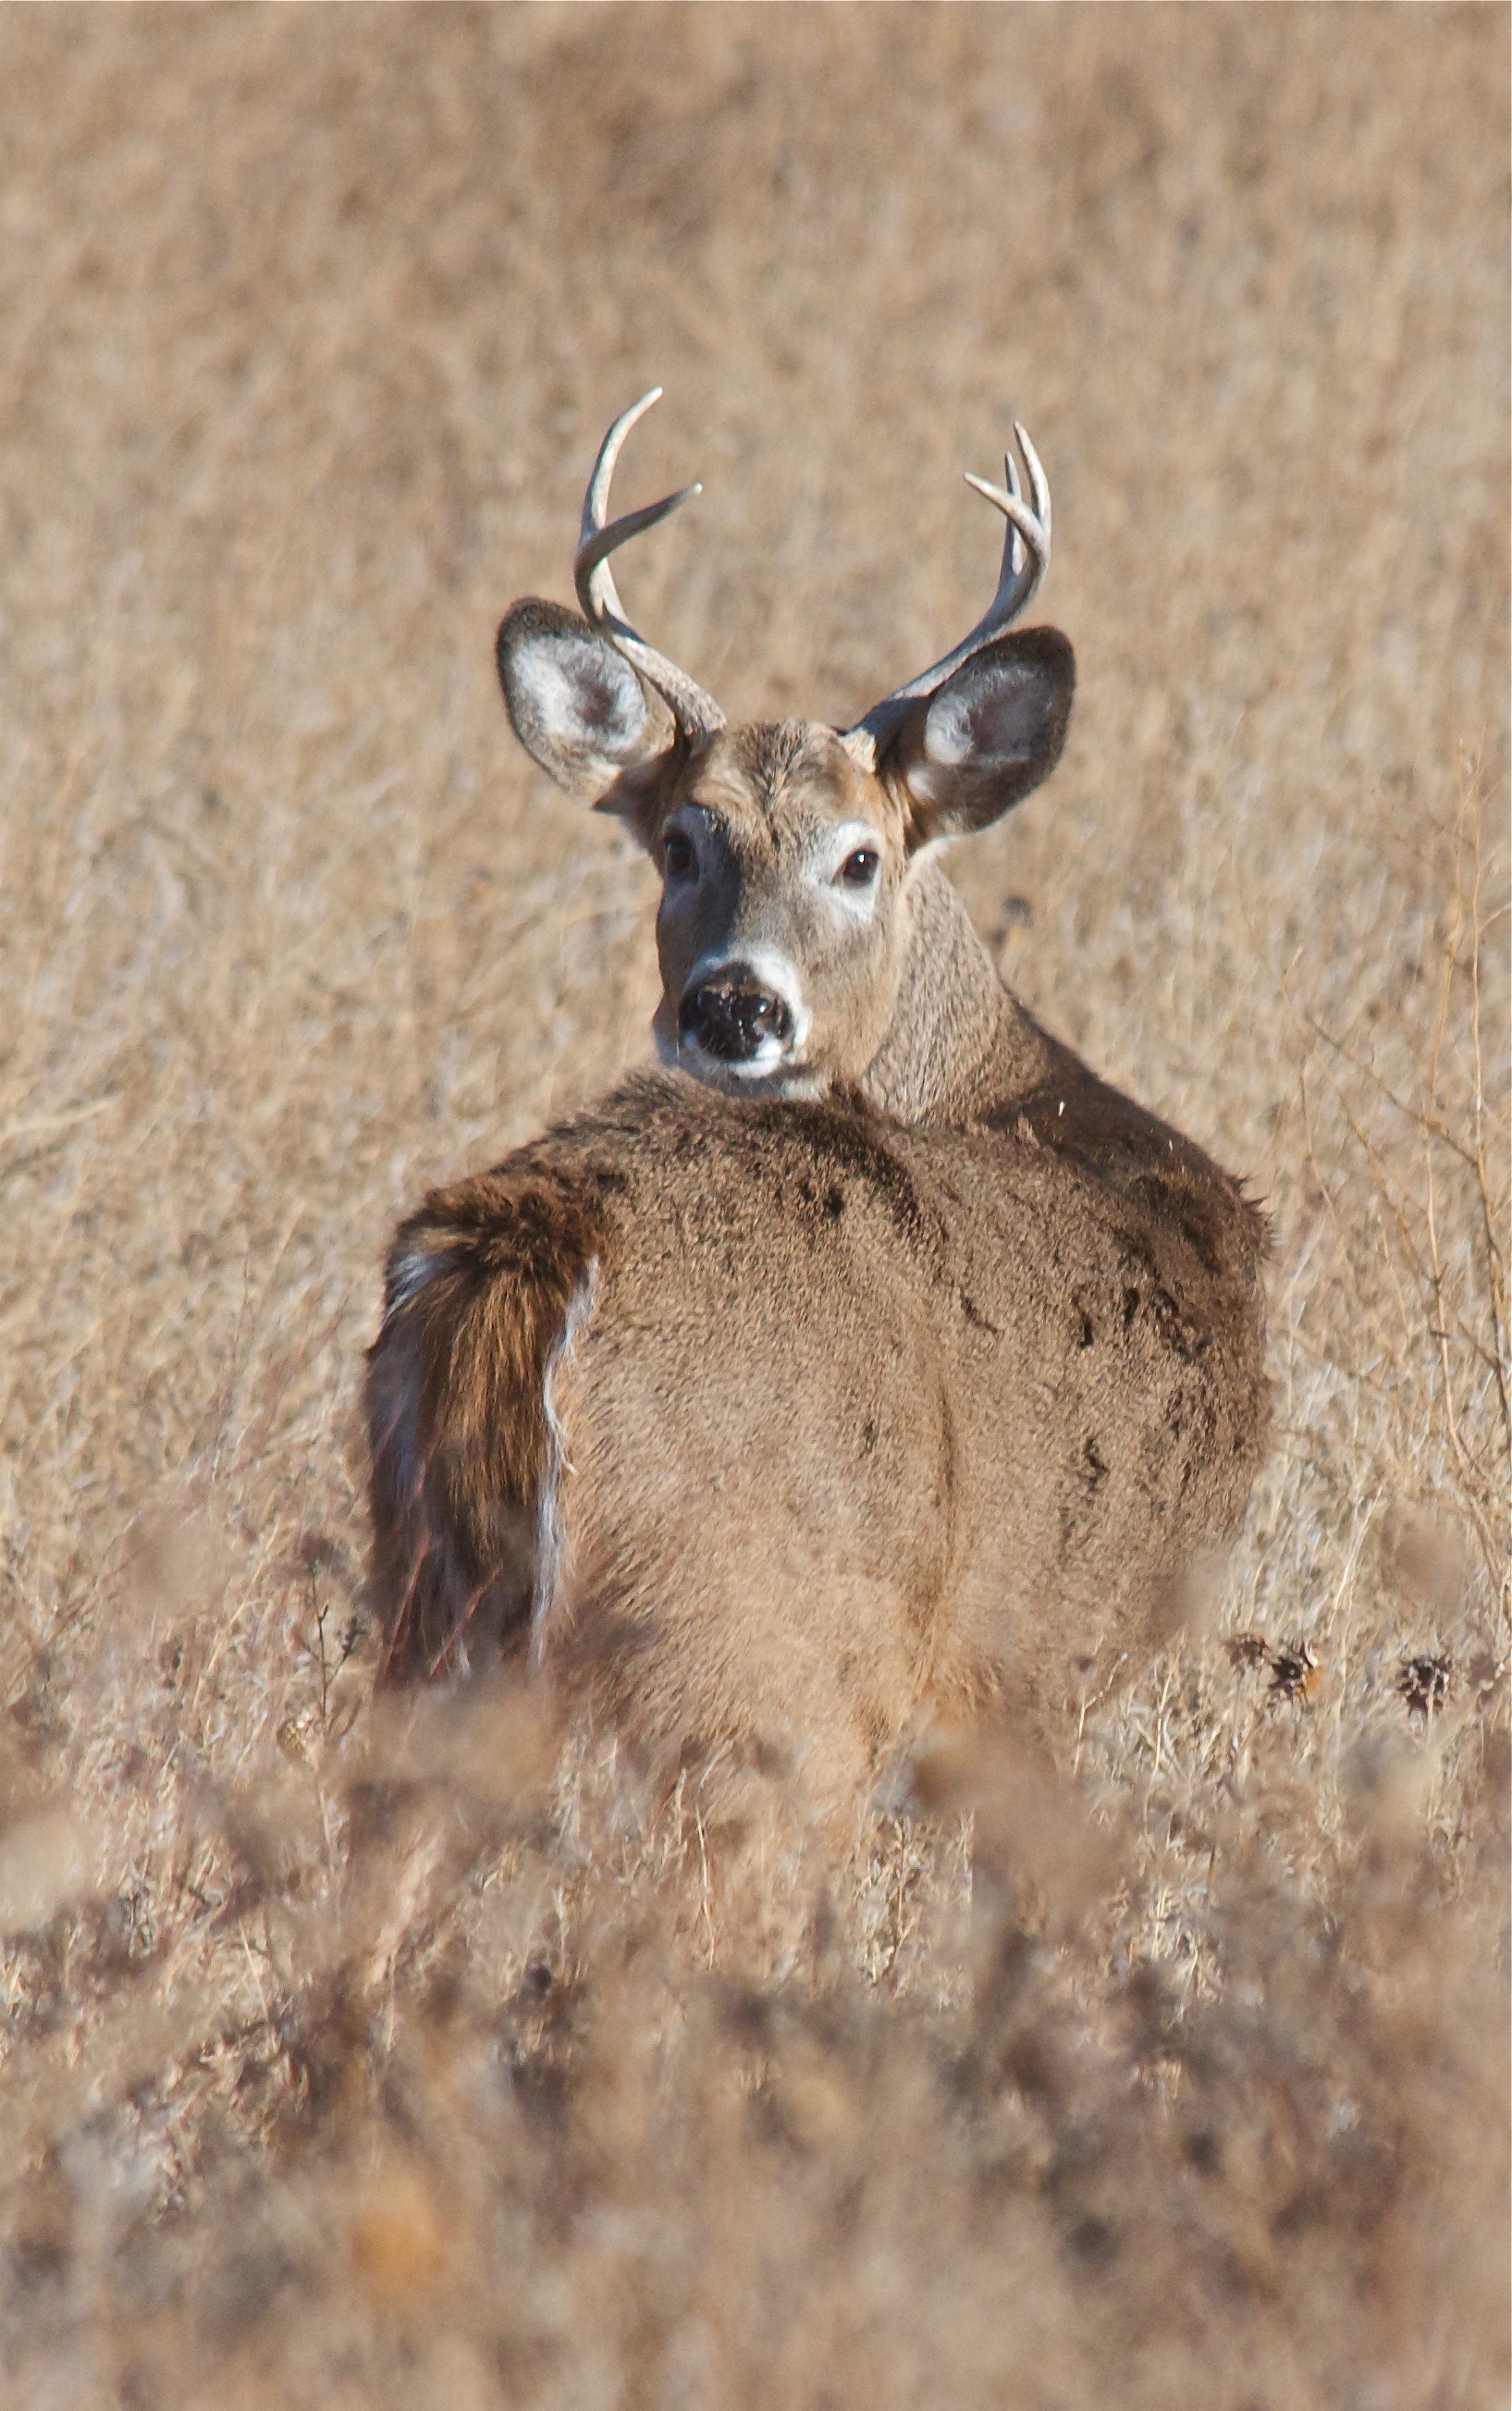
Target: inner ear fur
[(581, 711), (984, 739)]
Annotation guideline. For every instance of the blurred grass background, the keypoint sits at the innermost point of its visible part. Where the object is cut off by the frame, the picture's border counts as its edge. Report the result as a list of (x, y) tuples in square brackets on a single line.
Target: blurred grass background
[(349, 2063)]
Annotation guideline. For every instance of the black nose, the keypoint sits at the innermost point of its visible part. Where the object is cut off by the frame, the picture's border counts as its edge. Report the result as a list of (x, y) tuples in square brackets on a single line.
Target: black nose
[(731, 1016)]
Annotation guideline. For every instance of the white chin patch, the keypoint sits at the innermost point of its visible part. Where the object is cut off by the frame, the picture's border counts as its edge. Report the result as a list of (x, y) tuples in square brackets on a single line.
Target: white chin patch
[(769, 1069), (769, 1058)]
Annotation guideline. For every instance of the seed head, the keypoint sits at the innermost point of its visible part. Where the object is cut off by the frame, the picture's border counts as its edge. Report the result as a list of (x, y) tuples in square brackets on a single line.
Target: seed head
[(1425, 1682), (1296, 1671), (1247, 1650)]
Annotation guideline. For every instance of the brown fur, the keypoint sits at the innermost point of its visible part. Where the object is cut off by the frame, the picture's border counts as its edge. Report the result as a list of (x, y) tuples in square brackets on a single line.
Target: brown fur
[(864, 1418), (904, 1364)]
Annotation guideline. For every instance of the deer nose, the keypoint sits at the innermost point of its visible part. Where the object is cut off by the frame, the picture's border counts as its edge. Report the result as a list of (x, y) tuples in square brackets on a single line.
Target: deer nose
[(732, 1016)]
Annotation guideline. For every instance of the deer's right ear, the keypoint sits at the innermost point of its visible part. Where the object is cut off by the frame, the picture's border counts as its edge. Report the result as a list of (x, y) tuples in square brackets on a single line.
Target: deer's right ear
[(579, 709)]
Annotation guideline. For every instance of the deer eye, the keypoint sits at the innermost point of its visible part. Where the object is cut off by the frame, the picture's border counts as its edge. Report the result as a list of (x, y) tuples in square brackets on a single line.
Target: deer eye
[(859, 869), (677, 856)]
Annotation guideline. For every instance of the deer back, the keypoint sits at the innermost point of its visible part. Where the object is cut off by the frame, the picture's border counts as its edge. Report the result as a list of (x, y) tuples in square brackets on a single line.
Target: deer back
[(819, 1420)]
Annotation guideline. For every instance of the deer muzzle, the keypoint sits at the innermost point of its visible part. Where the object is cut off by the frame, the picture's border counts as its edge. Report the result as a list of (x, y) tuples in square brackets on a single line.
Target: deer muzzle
[(733, 1017)]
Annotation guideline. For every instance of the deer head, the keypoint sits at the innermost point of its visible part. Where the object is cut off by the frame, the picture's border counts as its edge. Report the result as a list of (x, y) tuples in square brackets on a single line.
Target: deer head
[(790, 853)]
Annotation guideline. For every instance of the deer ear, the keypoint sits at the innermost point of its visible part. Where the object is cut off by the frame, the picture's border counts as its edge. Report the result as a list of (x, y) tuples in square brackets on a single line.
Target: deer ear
[(981, 741), (580, 709)]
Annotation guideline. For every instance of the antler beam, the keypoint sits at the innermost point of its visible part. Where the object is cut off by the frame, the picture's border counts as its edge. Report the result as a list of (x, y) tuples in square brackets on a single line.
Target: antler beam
[(697, 714), (1026, 559)]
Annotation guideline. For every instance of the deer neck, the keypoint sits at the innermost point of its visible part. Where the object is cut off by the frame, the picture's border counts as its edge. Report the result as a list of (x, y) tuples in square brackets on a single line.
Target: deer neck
[(958, 1044)]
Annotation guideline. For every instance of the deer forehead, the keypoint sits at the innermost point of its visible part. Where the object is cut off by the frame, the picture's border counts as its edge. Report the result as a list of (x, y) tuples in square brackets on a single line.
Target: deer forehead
[(774, 784)]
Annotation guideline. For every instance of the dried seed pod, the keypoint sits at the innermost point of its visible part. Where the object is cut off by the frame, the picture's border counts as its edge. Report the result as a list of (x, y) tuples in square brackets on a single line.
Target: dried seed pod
[(1296, 1671), (1247, 1650), (1425, 1682)]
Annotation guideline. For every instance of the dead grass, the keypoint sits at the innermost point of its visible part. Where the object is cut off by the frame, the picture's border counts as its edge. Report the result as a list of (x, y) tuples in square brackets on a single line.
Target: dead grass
[(361, 2060)]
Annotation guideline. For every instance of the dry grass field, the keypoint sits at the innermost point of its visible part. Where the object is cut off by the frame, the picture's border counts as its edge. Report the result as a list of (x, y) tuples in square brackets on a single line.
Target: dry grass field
[(357, 2055)]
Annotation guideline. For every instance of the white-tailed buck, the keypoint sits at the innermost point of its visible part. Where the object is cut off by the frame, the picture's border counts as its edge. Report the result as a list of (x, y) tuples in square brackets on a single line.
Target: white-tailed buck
[(890, 1362)]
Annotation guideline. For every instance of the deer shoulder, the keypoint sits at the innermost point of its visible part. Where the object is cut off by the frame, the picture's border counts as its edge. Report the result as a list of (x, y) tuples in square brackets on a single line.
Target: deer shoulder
[(872, 1355)]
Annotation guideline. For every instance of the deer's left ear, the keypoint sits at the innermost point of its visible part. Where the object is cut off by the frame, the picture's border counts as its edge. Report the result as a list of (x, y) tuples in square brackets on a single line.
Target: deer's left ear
[(981, 741)]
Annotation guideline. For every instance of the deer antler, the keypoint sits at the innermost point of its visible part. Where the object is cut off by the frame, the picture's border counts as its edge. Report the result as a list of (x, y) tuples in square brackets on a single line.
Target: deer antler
[(1026, 559), (697, 714)]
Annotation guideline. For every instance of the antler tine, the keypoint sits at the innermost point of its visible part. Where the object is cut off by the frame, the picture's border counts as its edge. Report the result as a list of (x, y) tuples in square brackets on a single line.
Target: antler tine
[(696, 713), (1038, 482), (1011, 477), (1022, 523), (1026, 559)]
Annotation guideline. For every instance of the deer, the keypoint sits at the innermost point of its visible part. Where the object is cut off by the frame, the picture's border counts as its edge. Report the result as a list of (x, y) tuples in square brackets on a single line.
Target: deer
[(868, 1361)]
